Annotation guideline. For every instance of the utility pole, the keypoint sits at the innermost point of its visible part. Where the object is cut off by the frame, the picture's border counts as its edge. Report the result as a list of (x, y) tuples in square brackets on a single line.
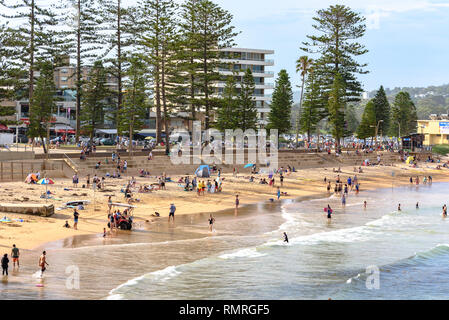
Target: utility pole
[(17, 131)]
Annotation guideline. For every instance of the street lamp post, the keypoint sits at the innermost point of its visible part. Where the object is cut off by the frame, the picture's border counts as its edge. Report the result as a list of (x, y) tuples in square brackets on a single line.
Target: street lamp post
[(17, 131)]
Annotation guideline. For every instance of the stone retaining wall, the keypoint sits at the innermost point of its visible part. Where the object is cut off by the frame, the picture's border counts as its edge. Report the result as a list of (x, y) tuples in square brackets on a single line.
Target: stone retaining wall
[(42, 210)]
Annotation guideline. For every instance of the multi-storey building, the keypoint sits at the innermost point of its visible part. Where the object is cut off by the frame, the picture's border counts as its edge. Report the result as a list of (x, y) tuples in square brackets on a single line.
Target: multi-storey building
[(236, 61), (64, 115)]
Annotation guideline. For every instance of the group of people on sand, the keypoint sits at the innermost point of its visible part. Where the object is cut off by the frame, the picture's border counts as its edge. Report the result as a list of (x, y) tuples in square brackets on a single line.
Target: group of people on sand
[(15, 255)]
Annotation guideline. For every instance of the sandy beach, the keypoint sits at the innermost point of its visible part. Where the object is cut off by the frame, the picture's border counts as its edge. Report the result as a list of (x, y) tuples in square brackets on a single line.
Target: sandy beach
[(35, 231)]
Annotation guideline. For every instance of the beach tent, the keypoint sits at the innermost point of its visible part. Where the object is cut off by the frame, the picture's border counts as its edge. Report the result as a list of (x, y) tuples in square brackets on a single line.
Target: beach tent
[(31, 177), (203, 171)]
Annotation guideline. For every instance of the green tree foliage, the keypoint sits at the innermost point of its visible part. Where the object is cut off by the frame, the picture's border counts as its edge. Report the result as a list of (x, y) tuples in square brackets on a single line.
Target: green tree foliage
[(116, 35), (403, 115), (43, 103), (281, 104), (247, 112), (366, 128), (227, 113), (9, 81), (336, 108), (188, 57), (338, 48), (213, 32), (31, 37), (135, 99), (84, 43), (382, 109), (351, 120), (94, 99), (155, 32), (313, 106), (304, 65)]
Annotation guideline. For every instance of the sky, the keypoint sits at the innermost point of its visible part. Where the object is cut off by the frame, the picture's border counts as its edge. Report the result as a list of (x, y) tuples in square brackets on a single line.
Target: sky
[(408, 40)]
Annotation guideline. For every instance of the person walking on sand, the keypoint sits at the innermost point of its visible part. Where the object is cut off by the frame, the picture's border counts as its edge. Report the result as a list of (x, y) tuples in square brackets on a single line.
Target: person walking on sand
[(109, 204), (399, 207), (75, 180), (211, 223), (172, 212), (75, 219), (15, 255), (364, 204), (285, 237), (237, 201), (43, 262), (5, 262)]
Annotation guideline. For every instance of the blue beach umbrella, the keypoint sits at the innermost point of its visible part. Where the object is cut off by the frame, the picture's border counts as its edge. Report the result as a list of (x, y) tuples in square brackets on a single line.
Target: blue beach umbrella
[(249, 165)]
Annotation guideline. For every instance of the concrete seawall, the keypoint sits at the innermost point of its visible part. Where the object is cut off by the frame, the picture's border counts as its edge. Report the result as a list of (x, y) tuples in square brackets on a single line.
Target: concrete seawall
[(42, 210)]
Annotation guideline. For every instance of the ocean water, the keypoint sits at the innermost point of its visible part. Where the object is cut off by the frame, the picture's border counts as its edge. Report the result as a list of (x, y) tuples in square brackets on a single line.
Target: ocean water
[(246, 257)]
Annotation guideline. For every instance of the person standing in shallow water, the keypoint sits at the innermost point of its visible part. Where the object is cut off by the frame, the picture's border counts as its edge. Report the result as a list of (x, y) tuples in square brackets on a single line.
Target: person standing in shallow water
[(329, 212), (285, 237), (15, 255), (5, 262), (43, 262), (211, 223)]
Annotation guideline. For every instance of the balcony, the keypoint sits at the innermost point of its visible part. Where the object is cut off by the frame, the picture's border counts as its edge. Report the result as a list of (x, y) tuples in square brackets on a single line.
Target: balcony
[(261, 62)]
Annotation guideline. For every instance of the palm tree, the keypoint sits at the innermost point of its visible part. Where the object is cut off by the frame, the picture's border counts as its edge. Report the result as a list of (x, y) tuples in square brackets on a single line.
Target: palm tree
[(303, 66)]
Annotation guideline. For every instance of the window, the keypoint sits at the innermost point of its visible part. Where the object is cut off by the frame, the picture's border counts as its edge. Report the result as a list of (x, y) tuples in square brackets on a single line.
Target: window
[(63, 78)]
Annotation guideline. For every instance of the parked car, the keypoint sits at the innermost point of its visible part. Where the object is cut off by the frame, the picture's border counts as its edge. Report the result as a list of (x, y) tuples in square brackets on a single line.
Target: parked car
[(22, 138), (107, 142)]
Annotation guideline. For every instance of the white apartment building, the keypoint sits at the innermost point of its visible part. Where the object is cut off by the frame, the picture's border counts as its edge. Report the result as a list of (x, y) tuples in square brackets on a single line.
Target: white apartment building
[(236, 61)]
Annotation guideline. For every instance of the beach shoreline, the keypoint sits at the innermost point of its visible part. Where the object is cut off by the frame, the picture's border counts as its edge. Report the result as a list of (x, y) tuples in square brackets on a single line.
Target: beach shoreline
[(37, 232)]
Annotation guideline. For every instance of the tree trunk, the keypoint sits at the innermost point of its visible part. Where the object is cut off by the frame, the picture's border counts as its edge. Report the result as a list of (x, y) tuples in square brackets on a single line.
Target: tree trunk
[(164, 104), (43, 144), (31, 69), (119, 63), (131, 124), (206, 82), (78, 76), (299, 111), (157, 81)]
